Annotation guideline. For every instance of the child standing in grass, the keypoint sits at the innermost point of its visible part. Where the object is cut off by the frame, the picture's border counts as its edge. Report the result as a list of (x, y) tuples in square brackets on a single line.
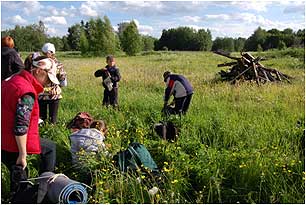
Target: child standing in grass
[(110, 80)]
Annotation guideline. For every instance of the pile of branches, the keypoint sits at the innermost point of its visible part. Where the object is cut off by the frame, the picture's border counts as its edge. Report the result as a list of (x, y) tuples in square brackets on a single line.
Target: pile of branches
[(249, 68)]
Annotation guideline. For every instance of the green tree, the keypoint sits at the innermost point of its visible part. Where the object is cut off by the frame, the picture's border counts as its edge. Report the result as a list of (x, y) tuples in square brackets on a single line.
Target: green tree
[(84, 46), (131, 39), (109, 37), (73, 37), (226, 44), (239, 44), (148, 43), (203, 40), (257, 38)]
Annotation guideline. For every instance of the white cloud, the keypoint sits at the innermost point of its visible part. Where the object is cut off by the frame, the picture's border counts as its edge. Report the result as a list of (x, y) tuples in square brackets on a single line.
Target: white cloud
[(194, 19), (88, 11), (56, 20), (252, 5), (31, 7), (295, 7), (18, 20), (143, 29), (248, 18)]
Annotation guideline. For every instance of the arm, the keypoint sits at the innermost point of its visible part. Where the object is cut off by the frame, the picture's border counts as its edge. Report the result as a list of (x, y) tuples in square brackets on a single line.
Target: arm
[(168, 91), (22, 147), (98, 73), (22, 121), (117, 76)]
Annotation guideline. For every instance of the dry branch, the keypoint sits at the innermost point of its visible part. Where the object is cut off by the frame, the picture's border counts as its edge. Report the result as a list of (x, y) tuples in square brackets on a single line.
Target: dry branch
[(247, 67)]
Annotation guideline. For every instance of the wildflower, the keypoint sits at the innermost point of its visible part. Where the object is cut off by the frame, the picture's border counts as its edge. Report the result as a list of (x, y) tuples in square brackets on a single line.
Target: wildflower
[(142, 176), (165, 163), (242, 165), (153, 191), (166, 170), (138, 180), (174, 181)]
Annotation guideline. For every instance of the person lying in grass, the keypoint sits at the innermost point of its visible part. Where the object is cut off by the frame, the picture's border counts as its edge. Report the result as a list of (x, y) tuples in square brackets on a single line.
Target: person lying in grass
[(88, 140)]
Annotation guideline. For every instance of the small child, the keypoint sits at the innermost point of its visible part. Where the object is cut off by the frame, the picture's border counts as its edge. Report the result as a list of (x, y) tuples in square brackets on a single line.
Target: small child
[(110, 78)]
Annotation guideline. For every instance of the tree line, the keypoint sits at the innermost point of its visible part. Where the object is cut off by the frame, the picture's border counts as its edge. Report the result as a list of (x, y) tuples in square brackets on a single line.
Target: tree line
[(98, 38)]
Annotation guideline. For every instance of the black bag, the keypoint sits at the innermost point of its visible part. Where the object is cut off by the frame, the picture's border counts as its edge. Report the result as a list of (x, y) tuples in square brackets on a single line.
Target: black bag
[(24, 192), (166, 130)]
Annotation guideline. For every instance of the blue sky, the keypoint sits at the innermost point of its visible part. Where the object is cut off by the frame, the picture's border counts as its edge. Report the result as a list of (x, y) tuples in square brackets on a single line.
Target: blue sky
[(222, 18)]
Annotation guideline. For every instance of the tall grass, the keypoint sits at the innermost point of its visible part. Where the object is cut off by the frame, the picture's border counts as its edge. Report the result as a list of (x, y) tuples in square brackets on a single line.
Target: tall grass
[(238, 143)]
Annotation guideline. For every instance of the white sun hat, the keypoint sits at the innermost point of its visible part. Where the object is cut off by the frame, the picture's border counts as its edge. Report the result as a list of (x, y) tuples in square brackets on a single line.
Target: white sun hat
[(48, 47), (49, 65)]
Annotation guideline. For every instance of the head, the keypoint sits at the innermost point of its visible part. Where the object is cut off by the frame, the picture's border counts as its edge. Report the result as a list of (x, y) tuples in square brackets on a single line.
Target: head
[(44, 70), (82, 120), (166, 75), (48, 50), (7, 41), (28, 61), (110, 60), (99, 125)]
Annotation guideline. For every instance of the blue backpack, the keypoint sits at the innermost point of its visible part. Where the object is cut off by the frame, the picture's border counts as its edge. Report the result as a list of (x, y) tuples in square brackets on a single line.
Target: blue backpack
[(136, 156)]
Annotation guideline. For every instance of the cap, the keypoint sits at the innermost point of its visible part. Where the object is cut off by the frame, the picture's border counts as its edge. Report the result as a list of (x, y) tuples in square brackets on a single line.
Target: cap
[(166, 74), (48, 47), (49, 65)]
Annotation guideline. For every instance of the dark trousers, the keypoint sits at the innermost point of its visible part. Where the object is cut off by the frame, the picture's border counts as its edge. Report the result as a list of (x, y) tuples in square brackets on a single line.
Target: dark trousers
[(182, 104), (53, 108), (47, 156), (110, 97)]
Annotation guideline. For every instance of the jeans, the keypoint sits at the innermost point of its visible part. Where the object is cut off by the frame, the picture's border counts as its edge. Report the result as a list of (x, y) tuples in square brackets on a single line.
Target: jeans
[(182, 104), (47, 156), (110, 97), (53, 108)]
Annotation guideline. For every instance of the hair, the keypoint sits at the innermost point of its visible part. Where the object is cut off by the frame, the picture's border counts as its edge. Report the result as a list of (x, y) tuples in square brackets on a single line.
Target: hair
[(28, 61), (110, 57), (99, 125), (7, 41), (49, 55), (166, 74)]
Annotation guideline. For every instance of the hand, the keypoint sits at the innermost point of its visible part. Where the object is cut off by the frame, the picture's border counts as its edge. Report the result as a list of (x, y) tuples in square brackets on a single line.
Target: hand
[(22, 160)]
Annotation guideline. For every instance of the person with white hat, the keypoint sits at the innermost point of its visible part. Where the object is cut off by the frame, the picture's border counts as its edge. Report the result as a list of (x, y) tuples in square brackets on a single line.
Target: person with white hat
[(20, 115), (52, 94)]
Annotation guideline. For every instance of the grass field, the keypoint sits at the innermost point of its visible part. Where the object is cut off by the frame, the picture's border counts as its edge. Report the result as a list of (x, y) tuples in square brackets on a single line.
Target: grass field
[(238, 143)]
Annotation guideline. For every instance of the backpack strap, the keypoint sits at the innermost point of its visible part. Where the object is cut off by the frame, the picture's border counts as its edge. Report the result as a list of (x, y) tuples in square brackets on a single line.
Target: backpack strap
[(135, 156), (121, 161)]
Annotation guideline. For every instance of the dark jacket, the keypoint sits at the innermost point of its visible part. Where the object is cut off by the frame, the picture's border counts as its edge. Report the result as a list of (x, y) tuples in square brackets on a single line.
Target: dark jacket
[(11, 62), (178, 86), (113, 72)]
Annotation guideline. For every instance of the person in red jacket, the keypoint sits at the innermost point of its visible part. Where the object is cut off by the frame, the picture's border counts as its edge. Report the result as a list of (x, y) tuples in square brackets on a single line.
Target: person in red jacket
[(20, 115)]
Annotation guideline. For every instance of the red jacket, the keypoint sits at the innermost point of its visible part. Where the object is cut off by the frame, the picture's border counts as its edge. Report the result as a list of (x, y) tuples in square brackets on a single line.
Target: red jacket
[(11, 91)]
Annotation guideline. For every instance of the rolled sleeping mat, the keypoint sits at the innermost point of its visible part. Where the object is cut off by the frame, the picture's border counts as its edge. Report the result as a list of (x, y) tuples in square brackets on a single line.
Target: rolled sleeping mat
[(61, 189)]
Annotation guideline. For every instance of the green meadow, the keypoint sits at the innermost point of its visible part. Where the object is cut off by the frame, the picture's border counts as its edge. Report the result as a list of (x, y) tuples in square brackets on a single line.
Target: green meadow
[(240, 143)]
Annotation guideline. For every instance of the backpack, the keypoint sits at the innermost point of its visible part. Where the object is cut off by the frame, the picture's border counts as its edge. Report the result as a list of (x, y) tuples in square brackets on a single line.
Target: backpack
[(23, 191), (80, 121), (167, 130), (134, 157)]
